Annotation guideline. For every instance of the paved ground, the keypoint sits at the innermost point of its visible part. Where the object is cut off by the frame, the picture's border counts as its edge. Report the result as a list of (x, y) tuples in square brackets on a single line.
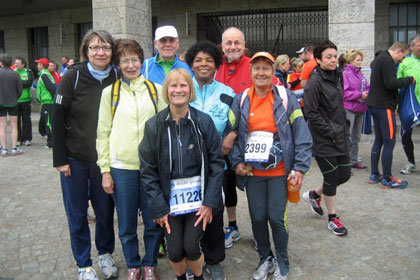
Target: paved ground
[(383, 240)]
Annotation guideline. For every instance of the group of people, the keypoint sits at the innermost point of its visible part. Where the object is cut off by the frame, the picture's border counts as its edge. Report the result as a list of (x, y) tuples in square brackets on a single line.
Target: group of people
[(19, 98), (165, 139)]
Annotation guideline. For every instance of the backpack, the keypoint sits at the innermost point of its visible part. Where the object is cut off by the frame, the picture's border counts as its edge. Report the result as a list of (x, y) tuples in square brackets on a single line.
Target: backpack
[(115, 95)]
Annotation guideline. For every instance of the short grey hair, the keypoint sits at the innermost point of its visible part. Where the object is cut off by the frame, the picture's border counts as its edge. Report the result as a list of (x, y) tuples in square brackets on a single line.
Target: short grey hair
[(233, 28), (415, 38)]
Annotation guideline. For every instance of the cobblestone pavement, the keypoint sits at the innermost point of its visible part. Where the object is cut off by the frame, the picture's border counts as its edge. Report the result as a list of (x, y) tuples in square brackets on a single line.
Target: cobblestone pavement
[(383, 240)]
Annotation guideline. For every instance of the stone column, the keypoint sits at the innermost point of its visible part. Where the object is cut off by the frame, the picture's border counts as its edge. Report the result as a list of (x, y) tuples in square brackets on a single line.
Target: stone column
[(352, 25), (128, 19)]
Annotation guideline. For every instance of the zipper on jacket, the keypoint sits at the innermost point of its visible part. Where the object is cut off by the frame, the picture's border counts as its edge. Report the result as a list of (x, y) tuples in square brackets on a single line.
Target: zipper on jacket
[(178, 138)]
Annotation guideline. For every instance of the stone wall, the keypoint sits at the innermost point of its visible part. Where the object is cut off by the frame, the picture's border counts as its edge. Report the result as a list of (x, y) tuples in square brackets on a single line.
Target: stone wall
[(62, 41), (352, 25), (125, 19)]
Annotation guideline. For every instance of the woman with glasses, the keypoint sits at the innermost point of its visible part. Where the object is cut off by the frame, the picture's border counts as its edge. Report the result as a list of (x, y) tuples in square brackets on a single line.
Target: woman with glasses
[(74, 122), (120, 131)]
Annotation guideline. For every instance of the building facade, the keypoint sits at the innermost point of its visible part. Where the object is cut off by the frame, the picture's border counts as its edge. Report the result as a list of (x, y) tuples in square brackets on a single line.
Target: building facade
[(45, 28)]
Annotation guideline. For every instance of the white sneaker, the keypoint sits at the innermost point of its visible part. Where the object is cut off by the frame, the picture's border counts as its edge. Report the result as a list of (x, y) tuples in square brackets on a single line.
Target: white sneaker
[(3, 153), (16, 151), (27, 143), (408, 169), (87, 273), (107, 266), (267, 267), (277, 275), (231, 235)]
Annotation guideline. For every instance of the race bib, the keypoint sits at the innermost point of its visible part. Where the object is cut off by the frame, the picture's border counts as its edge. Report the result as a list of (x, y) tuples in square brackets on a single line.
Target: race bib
[(258, 144), (185, 195)]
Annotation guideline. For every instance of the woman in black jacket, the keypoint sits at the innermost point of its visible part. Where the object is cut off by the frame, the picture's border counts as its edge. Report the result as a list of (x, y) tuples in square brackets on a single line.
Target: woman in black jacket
[(324, 110), (182, 172), (74, 122)]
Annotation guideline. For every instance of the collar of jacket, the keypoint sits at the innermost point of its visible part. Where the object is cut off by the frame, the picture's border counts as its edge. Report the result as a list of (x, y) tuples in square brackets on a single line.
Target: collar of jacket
[(352, 68)]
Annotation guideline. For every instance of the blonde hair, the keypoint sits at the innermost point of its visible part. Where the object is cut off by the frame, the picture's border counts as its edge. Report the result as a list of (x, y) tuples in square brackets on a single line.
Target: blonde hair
[(296, 61), (281, 59), (350, 55), (174, 76)]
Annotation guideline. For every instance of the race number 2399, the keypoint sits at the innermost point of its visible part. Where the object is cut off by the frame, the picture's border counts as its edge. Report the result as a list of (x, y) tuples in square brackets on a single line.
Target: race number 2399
[(258, 145)]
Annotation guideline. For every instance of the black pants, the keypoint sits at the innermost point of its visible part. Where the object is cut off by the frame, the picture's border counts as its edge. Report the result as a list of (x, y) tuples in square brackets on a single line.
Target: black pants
[(24, 121), (184, 240), (408, 145), (229, 186), (45, 122), (335, 170), (213, 242)]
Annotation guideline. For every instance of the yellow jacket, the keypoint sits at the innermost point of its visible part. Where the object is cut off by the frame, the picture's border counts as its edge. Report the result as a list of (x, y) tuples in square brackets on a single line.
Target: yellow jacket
[(117, 140)]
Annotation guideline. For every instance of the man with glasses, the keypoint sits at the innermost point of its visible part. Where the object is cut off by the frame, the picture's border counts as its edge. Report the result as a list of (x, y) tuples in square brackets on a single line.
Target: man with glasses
[(157, 67)]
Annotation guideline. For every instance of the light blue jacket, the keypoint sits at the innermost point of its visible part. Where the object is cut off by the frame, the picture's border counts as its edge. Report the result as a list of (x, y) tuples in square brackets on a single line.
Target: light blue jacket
[(215, 100), (154, 72), (295, 137)]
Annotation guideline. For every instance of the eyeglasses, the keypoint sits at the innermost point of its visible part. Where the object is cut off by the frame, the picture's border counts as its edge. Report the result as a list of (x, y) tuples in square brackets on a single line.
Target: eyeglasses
[(127, 61), (96, 48), (229, 43)]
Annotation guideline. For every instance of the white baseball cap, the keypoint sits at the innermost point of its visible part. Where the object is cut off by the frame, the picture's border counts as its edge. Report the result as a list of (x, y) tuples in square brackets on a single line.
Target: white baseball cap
[(166, 31), (301, 50)]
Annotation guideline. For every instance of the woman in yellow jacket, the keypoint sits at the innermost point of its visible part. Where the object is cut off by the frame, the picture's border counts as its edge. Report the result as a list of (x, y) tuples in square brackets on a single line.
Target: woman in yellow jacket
[(125, 107)]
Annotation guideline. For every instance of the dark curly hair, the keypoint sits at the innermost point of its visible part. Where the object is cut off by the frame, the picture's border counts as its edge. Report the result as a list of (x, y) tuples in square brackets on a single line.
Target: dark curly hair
[(205, 47), (322, 47)]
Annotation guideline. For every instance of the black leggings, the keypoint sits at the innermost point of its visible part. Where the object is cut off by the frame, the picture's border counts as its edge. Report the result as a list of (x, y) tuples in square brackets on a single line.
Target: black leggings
[(336, 171), (184, 240), (229, 186), (408, 144)]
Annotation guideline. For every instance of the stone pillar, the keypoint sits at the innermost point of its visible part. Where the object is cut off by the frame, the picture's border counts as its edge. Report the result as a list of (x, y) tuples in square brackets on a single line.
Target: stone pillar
[(352, 25), (128, 19)]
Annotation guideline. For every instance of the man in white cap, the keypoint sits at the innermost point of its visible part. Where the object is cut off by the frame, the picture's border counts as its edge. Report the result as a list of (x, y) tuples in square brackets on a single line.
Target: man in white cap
[(157, 67)]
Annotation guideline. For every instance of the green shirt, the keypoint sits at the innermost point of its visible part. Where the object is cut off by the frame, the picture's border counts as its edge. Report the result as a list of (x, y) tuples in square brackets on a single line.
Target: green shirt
[(411, 67), (166, 65), (26, 93)]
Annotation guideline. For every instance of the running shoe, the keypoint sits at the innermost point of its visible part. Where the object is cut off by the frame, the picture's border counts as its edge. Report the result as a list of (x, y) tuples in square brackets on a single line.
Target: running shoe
[(16, 151), (314, 203), (373, 179), (107, 266), (277, 274), (134, 273), (337, 227), (161, 251), (358, 165), (87, 273), (4, 153), (267, 267), (393, 184), (27, 143), (231, 235), (149, 273), (215, 271), (408, 169)]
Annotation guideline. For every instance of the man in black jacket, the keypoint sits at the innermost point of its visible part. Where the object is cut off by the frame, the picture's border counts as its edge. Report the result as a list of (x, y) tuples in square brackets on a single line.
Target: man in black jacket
[(382, 102)]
